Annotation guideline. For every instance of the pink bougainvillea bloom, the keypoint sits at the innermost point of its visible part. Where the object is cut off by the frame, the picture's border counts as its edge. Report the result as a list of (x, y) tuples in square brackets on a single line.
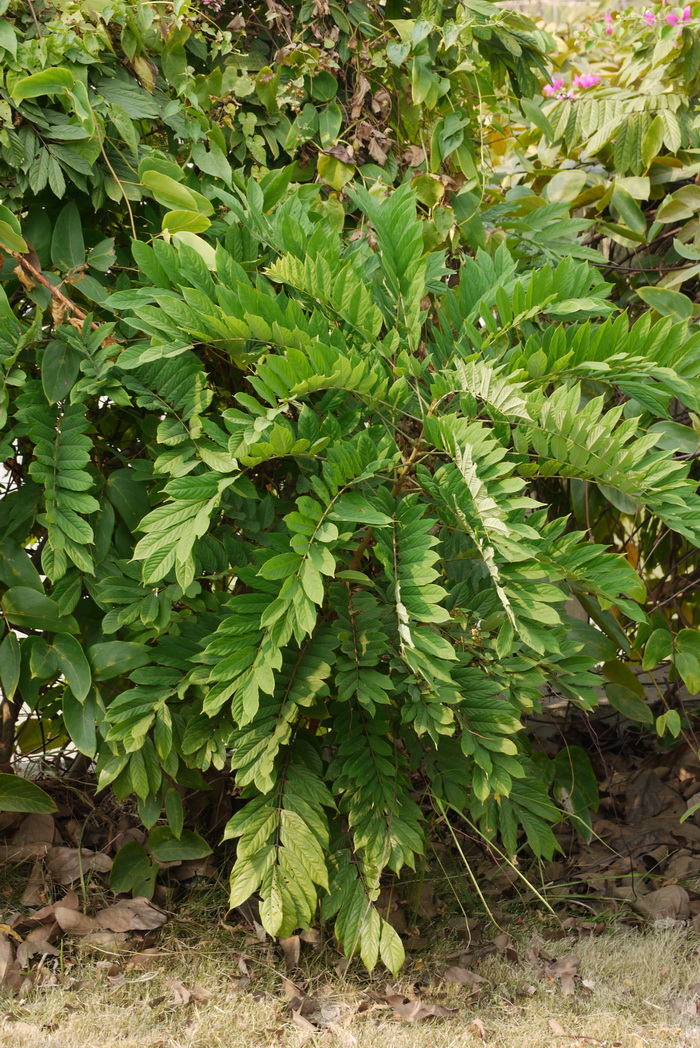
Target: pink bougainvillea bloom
[(687, 14), (649, 17), (556, 84), (672, 18), (586, 80)]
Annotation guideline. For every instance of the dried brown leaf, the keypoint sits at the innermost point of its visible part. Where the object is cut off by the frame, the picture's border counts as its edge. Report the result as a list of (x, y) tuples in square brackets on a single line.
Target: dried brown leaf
[(129, 915), (73, 921), (304, 1025), (415, 1011), (183, 995), (414, 156), (104, 938), (10, 971), (361, 89), (557, 1028), (293, 994), (291, 948), (144, 958), (34, 890), (672, 901), (66, 864), (565, 970), (478, 1029), (22, 852), (38, 948), (345, 154), (646, 796), (376, 152), (35, 829), (457, 976), (44, 932)]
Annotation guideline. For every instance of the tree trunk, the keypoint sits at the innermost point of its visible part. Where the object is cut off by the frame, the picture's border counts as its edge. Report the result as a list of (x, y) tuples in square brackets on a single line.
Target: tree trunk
[(10, 713)]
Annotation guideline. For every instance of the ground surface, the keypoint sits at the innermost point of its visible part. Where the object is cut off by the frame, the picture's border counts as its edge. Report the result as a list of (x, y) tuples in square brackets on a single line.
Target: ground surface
[(200, 987)]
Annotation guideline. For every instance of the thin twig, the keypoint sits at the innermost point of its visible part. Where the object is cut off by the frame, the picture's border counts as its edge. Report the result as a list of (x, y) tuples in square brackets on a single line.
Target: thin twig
[(35, 19), (35, 274)]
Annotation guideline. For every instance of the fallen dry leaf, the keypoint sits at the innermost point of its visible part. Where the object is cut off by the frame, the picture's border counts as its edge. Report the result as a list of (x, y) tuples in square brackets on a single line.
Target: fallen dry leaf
[(183, 995), (462, 977), (22, 852), (557, 1028), (73, 921), (35, 829), (293, 994), (415, 1011), (35, 948), (503, 945), (415, 942), (478, 1029), (190, 868), (34, 891), (144, 958), (671, 901), (291, 948), (565, 970), (304, 1025), (66, 864), (10, 971), (104, 938), (130, 915)]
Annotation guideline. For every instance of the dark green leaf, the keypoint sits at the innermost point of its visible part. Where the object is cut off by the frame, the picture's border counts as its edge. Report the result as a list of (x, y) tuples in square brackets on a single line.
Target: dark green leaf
[(67, 244), (18, 794), (167, 847), (79, 719), (73, 664), (116, 657), (132, 871), (59, 370), (30, 610)]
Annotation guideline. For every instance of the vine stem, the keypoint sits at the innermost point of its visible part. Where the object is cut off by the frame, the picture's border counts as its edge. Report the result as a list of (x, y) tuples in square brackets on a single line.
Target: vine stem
[(35, 274)]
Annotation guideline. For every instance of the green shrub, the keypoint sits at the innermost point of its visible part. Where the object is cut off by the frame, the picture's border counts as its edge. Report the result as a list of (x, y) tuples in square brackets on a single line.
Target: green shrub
[(307, 494)]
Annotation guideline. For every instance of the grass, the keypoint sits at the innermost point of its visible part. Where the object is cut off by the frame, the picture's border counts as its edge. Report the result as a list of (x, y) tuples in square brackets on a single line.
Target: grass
[(111, 999)]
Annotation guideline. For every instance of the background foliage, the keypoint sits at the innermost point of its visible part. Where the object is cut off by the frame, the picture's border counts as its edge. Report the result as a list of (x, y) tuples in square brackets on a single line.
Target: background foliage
[(328, 383)]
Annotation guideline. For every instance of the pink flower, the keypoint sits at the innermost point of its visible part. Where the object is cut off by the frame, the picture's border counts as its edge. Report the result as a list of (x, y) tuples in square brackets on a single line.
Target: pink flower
[(687, 14), (586, 80), (551, 89), (672, 18), (608, 30), (649, 17)]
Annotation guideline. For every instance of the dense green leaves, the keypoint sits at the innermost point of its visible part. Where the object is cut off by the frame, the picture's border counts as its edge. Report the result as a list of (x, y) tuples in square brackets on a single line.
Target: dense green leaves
[(304, 470)]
